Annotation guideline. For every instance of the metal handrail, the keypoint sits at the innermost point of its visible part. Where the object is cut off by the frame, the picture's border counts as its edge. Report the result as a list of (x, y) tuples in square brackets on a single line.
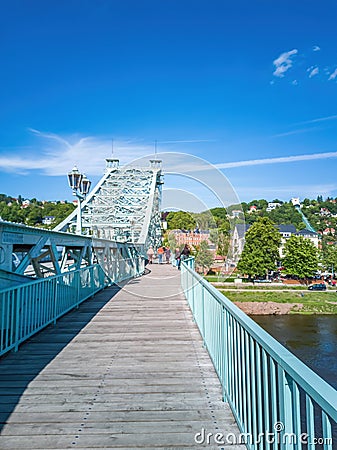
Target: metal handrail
[(263, 382), (28, 308)]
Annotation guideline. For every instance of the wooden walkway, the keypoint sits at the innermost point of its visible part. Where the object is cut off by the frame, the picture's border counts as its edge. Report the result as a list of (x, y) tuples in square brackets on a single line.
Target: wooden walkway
[(126, 370)]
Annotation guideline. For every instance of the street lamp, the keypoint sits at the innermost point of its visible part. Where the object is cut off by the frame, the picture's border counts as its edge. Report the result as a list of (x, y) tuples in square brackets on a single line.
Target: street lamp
[(80, 186)]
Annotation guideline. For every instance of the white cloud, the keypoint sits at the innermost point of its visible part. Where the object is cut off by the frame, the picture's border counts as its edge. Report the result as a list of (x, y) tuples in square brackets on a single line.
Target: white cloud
[(89, 153), (320, 119), (277, 160), (294, 82), (297, 131), (333, 75), (187, 141), (283, 63), (313, 72), (59, 154), (316, 48)]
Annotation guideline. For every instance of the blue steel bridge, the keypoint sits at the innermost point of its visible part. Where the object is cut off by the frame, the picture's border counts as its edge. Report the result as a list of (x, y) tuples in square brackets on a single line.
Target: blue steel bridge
[(99, 351)]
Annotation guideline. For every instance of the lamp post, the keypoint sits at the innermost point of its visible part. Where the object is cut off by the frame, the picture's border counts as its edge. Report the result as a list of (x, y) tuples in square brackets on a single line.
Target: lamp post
[(80, 186)]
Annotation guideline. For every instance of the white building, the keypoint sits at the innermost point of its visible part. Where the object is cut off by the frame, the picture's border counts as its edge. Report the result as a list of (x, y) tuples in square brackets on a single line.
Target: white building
[(286, 231), (296, 201), (272, 205), (48, 220)]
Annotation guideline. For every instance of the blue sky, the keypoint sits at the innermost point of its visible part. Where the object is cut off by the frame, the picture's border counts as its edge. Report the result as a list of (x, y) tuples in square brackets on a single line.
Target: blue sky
[(250, 87)]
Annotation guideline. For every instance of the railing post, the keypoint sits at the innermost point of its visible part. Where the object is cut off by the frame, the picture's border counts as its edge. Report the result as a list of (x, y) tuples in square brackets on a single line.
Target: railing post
[(17, 319), (286, 410), (55, 302), (203, 314), (192, 299), (225, 355), (78, 285), (92, 280)]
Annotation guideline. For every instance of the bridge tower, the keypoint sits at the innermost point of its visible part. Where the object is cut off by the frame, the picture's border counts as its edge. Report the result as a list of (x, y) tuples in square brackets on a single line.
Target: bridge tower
[(124, 206)]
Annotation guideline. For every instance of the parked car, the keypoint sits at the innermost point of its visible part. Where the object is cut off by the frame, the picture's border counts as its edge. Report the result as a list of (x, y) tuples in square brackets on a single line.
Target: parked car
[(264, 280), (317, 287)]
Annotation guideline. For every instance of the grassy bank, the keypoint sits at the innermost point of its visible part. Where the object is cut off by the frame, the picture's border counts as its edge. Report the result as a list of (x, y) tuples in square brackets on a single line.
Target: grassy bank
[(313, 302)]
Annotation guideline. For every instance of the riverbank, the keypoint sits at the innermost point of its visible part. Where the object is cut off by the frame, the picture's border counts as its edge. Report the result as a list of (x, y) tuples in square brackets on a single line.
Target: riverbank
[(273, 302)]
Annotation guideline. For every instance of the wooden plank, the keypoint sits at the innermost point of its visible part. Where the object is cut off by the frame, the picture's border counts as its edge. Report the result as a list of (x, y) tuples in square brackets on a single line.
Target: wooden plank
[(125, 370)]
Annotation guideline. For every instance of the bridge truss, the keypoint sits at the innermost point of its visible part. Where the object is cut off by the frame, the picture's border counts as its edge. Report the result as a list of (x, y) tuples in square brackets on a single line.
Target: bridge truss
[(120, 220), (124, 206)]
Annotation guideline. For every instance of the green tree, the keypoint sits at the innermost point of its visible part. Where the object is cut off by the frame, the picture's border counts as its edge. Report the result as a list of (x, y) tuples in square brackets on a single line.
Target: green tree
[(261, 250), (220, 237), (286, 214), (301, 257), (180, 220), (330, 258), (204, 220), (33, 215), (170, 241), (223, 244), (204, 258), (220, 216)]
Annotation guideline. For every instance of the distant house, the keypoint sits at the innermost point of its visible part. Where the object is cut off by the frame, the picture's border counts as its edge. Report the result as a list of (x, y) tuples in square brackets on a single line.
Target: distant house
[(296, 201), (48, 220), (192, 238), (252, 209), (236, 213), (286, 231), (272, 205), (238, 240), (311, 235), (324, 212), (25, 203), (329, 231)]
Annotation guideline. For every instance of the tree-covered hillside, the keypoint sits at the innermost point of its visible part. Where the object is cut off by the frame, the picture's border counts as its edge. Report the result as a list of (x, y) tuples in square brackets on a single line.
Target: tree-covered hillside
[(322, 214), (32, 211)]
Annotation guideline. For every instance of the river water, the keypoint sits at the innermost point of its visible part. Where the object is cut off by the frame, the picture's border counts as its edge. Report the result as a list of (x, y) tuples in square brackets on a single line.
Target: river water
[(313, 339)]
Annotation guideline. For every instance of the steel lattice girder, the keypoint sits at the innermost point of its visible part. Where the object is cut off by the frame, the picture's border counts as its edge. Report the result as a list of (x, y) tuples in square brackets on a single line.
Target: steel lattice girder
[(43, 253), (123, 206)]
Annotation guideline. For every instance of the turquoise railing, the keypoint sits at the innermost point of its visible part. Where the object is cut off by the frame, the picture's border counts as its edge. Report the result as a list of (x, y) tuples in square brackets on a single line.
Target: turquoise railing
[(278, 402), (27, 308)]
